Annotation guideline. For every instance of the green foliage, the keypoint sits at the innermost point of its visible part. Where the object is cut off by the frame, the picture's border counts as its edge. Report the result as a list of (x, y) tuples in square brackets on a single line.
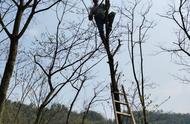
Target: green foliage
[(17, 113), (168, 118), (159, 117)]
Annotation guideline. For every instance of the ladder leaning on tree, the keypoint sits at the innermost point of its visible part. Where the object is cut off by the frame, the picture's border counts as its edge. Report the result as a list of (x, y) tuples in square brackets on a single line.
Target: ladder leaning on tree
[(129, 113)]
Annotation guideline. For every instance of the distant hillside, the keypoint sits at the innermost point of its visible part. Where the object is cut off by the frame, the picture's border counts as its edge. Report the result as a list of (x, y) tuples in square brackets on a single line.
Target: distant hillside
[(57, 114), (168, 118)]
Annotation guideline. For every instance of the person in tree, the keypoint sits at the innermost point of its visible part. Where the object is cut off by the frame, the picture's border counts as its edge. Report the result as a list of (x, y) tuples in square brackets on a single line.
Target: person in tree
[(98, 12)]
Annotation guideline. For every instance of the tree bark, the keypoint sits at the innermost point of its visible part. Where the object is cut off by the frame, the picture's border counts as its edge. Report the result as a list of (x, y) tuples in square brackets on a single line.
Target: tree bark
[(8, 73), (9, 67), (114, 83)]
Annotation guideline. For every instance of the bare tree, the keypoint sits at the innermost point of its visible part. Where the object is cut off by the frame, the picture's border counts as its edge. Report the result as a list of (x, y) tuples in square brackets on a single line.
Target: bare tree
[(59, 60), (16, 16), (25, 78), (63, 59), (179, 13), (95, 98), (137, 28)]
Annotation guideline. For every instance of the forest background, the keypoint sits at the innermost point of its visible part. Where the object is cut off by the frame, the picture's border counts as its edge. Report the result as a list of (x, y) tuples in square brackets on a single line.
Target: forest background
[(82, 67)]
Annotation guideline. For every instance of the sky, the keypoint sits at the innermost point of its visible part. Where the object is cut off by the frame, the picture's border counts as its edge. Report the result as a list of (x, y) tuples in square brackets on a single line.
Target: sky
[(159, 68)]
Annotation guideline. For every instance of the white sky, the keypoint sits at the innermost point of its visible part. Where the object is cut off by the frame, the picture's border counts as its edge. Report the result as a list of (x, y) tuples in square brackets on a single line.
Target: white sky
[(158, 68)]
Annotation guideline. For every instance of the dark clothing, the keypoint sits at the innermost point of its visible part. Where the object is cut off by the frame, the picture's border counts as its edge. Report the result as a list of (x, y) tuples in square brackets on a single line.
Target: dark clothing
[(99, 15), (98, 11), (100, 24)]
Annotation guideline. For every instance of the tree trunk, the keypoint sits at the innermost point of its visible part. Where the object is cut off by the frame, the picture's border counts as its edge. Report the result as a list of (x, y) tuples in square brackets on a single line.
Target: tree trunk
[(8, 73), (9, 67), (39, 114), (114, 83)]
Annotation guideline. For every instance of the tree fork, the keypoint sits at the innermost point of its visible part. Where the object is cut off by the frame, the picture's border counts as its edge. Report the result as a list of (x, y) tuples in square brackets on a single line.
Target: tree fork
[(9, 67)]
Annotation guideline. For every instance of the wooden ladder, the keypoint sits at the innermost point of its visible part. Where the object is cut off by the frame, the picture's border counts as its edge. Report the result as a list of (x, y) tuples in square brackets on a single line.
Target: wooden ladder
[(128, 114)]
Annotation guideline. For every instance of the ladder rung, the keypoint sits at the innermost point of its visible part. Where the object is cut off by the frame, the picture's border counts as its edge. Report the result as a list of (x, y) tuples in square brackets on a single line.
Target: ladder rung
[(120, 102), (125, 114)]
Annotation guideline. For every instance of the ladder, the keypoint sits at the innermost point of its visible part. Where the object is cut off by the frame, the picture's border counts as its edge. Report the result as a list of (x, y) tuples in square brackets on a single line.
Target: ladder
[(128, 114)]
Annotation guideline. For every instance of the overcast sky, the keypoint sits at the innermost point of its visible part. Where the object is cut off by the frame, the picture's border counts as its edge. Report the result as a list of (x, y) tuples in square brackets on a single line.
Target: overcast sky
[(158, 68)]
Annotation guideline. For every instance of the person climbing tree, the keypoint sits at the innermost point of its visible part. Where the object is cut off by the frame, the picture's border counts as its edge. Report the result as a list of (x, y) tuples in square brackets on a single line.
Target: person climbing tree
[(98, 12)]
